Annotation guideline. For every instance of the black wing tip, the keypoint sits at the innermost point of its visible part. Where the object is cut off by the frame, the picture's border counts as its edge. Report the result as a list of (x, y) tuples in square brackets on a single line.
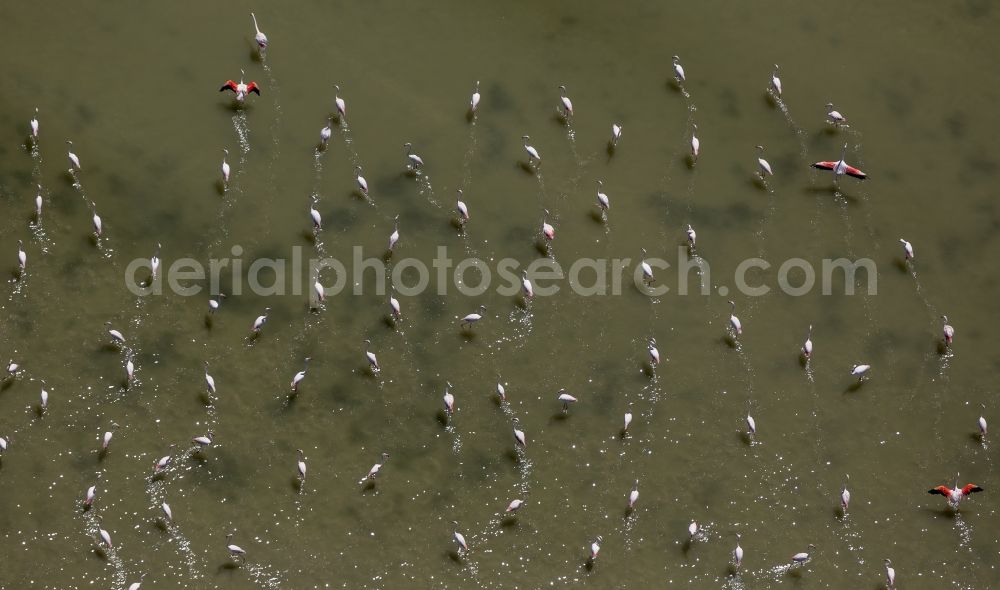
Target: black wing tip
[(255, 90), (936, 491)]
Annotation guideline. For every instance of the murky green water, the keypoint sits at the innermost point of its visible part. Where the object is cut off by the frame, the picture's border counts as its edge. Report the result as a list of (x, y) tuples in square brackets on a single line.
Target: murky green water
[(135, 89)]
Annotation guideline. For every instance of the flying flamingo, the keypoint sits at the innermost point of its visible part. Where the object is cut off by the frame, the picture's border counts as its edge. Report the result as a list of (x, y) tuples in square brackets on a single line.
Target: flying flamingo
[(841, 167), (955, 495), (242, 89)]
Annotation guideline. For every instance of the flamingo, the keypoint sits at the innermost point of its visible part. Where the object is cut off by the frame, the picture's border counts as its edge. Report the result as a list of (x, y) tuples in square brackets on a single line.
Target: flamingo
[(845, 499), (168, 514), (394, 306), (472, 318), (519, 436), (602, 199), (209, 380), (300, 465), (213, 304), (362, 183), (776, 81), (616, 134), (74, 160), (162, 463), (982, 427), (907, 249), (762, 164), (259, 322), (461, 209), (154, 262), (628, 419), (692, 236), (317, 219), (474, 103), (394, 236), (260, 37), (751, 426), (949, 332), (501, 392), (96, 220), (137, 585), (654, 354), (841, 167), (678, 70), (22, 256), (12, 368), (415, 161), (300, 375), (647, 270), (326, 132), (44, 403), (633, 496), (533, 157), (807, 346), (955, 495), (205, 439), (548, 232), (225, 166), (514, 505), (567, 104), (339, 102), (834, 117), (859, 371), (695, 143), (526, 287), (738, 552), (235, 551), (106, 439), (692, 529), (34, 124), (376, 468), (805, 556), (88, 500), (890, 574), (129, 371), (460, 539), (105, 535), (38, 204), (734, 322), (566, 400), (116, 336), (449, 400), (372, 361), (595, 548), (242, 89)]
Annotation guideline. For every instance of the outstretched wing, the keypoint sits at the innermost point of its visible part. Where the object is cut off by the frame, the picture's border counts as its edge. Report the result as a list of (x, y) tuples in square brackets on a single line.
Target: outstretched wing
[(940, 490), (824, 165), (852, 171), (252, 87), (970, 488), (229, 85)]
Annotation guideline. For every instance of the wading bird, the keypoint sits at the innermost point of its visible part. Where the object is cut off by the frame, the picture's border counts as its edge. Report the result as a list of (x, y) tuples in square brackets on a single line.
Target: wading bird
[(88, 499), (734, 322), (235, 551), (242, 89), (548, 232), (845, 499), (678, 71), (533, 157), (501, 392), (116, 336), (841, 167), (209, 380), (807, 346), (751, 426), (776, 82), (616, 134), (340, 104), (376, 468), (449, 400), (205, 439), (74, 160), (519, 436), (225, 167), (738, 552), (213, 304), (692, 237), (108, 435), (628, 419), (805, 556), (168, 514), (890, 575), (514, 505), (461, 209), (326, 132), (654, 354), (362, 183), (259, 322), (695, 143), (317, 219), (955, 495), (647, 269), (907, 249), (300, 465), (764, 168), (414, 162), (38, 204), (96, 220), (860, 371), (463, 547), (394, 236), (44, 401), (22, 256), (526, 287), (834, 117), (34, 124), (474, 103), (372, 361), (154, 263), (104, 535), (595, 548), (633, 496), (472, 318), (982, 427), (300, 375), (129, 371), (602, 199), (567, 104), (394, 306), (692, 529), (260, 37), (137, 585), (947, 330), (566, 400)]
